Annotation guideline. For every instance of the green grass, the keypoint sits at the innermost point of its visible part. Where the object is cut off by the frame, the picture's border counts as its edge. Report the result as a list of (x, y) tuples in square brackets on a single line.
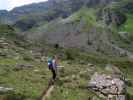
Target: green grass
[(30, 84), (26, 82), (71, 84), (126, 42), (73, 78), (70, 94), (128, 26), (86, 15), (7, 31)]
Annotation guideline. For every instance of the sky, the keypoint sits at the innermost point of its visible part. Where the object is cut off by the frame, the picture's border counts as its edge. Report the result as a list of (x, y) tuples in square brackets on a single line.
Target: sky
[(10, 4)]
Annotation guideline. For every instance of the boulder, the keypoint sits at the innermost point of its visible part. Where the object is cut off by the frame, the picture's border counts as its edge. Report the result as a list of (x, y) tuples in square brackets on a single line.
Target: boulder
[(108, 86), (5, 90), (90, 65)]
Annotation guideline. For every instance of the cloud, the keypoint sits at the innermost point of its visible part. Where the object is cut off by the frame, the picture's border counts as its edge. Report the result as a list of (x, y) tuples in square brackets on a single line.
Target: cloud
[(10, 4), (3, 4)]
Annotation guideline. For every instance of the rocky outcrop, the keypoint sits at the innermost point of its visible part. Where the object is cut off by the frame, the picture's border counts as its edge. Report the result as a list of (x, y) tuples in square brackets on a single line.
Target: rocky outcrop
[(106, 86), (5, 89), (22, 67)]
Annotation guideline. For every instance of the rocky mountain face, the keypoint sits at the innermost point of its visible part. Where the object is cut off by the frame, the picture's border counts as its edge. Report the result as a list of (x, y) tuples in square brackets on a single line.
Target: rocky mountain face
[(85, 24), (88, 29), (51, 8)]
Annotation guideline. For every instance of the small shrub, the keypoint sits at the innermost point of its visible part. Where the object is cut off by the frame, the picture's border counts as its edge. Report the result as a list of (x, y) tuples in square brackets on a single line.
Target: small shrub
[(129, 97), (71, 54)]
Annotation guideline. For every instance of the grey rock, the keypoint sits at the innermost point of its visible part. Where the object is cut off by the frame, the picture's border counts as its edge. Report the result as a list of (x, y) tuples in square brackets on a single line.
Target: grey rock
[(107, 85), (22, 66), (4, 89)]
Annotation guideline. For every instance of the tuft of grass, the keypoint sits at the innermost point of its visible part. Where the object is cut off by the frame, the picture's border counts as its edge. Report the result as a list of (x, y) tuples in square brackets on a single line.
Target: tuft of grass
[(127, 27)]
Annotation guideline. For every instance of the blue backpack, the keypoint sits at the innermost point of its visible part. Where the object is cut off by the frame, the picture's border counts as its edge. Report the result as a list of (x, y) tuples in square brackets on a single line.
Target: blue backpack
[(50, 63)]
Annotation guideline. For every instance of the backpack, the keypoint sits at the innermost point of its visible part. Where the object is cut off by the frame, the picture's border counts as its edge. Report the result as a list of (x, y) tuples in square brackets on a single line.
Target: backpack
[(50, 63)]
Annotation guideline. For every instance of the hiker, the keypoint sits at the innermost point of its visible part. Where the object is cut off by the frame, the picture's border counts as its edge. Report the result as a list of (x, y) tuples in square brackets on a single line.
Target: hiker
[(52, 64), (55, 63)]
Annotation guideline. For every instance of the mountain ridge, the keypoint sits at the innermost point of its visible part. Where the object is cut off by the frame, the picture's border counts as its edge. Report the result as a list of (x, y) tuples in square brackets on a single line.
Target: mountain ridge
[(52, 5)]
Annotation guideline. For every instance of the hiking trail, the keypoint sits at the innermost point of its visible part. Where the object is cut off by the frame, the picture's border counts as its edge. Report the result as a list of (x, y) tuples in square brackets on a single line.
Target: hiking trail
[(48, 93)]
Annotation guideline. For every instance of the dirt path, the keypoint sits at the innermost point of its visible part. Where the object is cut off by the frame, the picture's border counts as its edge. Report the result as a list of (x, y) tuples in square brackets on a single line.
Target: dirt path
[(48, 93)]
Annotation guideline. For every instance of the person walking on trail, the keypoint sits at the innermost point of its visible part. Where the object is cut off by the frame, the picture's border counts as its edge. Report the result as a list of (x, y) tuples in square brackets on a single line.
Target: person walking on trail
[(52, 64), (55, 63)]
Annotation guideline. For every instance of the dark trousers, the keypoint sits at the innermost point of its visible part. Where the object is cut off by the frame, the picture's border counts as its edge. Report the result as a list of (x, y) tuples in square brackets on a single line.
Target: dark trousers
[(53, 73)]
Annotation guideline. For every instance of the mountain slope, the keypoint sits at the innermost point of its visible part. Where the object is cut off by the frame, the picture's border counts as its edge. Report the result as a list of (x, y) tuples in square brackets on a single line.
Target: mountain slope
[(91, 25), (51, 8), (84, 29)]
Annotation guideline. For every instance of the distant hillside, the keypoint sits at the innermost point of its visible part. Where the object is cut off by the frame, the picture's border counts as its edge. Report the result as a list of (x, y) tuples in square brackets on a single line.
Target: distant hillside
[(47, 10), (90, 29), (6, 17), (91, 25)]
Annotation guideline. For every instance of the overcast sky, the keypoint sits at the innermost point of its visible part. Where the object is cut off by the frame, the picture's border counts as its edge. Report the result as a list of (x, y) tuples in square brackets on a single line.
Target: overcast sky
[(9, 4)]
